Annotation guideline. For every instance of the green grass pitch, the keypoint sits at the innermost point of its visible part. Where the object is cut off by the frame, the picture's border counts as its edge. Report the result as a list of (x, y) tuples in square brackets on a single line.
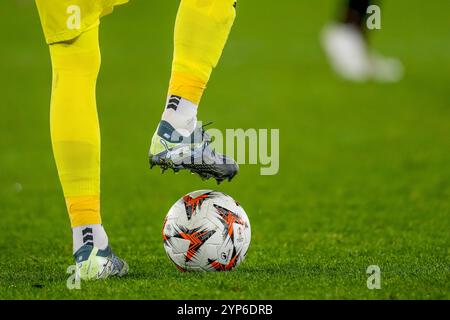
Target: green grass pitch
[(364, 168)]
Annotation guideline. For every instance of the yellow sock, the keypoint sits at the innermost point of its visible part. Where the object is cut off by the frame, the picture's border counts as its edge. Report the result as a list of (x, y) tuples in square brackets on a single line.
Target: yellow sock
[(74, 125), (201, 31)]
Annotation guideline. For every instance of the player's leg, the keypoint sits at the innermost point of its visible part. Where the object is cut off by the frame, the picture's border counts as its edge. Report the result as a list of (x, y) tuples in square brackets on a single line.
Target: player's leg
[(75, 138), (348, 50), (75, 129), (201, 31)]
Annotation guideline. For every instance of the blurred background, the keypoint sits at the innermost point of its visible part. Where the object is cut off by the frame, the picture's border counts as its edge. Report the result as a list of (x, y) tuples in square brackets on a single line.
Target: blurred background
[(364, 167)]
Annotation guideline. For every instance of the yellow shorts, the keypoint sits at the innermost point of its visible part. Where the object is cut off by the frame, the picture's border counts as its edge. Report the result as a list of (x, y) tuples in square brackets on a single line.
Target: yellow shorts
[(64, 20)]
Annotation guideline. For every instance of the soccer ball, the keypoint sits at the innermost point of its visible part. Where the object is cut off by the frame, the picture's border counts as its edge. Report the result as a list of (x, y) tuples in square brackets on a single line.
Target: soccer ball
[(206, 231)]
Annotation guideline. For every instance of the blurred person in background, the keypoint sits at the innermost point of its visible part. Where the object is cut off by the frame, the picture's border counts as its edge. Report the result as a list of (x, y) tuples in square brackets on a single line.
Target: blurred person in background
[(346, 44)]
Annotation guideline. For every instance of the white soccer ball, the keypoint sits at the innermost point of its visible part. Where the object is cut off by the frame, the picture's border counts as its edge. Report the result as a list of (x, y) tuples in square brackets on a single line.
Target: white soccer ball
[(206, 231)]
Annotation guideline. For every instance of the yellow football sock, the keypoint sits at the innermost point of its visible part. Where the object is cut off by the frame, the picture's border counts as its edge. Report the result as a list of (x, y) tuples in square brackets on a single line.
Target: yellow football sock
[(201, 31), (74, 125)]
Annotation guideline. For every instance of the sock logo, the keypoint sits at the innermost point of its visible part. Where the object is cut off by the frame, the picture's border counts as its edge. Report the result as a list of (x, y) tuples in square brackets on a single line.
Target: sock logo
[(88, 237), (173, 103)]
